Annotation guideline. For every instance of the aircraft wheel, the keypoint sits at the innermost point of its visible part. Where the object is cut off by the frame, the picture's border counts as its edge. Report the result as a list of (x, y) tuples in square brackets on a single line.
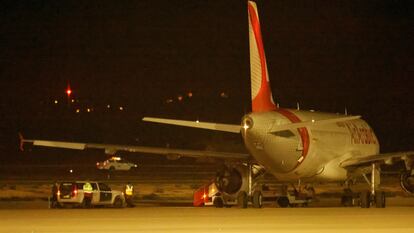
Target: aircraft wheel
[(118, 203), (380, 200), (283, 202), (242, 200), (257, 199), (365, 199)]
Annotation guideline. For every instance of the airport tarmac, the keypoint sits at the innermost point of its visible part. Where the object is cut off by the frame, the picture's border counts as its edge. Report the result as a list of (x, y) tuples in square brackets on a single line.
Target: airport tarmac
[(190, 219)]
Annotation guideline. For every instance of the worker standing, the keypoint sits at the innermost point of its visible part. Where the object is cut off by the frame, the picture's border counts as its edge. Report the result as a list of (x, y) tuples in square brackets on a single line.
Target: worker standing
[(129, 194), (54, 199), (87, 194)]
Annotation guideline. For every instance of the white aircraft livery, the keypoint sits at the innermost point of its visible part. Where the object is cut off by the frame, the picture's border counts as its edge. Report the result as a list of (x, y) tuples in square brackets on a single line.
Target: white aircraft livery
[(294, 146)]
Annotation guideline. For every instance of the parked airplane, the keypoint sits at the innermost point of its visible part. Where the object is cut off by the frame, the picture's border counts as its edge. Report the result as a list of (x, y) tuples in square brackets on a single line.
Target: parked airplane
[(295, 146)]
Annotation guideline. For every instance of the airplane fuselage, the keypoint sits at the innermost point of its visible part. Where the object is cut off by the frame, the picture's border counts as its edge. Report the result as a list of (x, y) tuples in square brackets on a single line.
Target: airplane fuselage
[(308, 152)]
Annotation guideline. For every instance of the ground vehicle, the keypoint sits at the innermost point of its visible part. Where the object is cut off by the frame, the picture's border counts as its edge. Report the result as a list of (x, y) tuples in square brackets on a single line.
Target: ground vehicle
[(71, 193), (210, 195), (115, 163)]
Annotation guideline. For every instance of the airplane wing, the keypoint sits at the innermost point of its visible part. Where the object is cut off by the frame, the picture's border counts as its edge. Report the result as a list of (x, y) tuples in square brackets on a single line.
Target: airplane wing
[(386, 158), (236, 128), (196, 124), (112, 148)]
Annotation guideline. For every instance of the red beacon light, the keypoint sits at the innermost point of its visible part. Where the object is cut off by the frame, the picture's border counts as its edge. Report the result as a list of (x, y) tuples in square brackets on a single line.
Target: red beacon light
[(68, 91)]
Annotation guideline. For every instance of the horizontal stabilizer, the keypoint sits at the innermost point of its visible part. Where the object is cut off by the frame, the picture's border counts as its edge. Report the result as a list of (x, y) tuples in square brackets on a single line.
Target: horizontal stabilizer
[(196, 124), (277, 128)]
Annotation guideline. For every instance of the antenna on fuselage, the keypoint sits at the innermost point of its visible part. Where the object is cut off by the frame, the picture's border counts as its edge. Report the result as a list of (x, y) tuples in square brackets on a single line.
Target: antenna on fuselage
[(297, 106), (346, 111)]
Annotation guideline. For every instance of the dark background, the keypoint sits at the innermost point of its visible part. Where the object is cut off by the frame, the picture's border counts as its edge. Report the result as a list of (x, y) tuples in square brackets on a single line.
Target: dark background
[(143, 55)]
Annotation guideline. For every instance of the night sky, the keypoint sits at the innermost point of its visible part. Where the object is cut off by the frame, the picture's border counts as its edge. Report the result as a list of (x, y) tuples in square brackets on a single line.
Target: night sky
[(189, 60)]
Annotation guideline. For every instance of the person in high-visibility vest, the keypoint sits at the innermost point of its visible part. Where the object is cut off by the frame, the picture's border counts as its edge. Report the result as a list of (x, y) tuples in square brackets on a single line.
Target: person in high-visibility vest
[(129, 194), (87, 194)]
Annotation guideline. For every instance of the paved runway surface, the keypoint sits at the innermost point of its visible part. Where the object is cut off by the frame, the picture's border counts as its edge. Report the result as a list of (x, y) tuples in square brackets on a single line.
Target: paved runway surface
[(188, 219)]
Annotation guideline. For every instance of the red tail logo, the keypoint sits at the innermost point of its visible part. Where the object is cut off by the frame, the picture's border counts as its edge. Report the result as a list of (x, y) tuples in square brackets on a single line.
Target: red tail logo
[(262, 99)]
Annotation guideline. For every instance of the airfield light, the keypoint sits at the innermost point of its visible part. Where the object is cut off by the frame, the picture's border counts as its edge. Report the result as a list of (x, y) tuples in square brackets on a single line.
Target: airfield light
[(121, 108), (190, 94), (78, 110), (180, 98), (224, 95), (68, 91), (71, 171), (56, 101)]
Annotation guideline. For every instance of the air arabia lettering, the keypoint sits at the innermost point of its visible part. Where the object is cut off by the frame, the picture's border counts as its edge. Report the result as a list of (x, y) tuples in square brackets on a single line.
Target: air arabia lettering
[(359, 134)]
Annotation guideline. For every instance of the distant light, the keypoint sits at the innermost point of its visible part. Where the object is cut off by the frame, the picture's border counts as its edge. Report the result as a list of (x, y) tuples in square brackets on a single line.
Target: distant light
[(180, 98), (224, 95), (88, 110), (190, 94), (108, 106), (71, 170), (78, 110), (56, 102), (121, 108), (168, 101), (197, 121), (73, 100)]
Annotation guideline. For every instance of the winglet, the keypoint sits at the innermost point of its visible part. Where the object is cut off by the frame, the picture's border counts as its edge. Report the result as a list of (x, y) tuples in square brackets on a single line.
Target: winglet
[(262, 99)]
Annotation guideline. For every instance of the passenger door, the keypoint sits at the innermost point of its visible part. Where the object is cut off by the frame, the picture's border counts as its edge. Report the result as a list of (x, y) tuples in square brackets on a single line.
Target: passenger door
[(95, 193), (105, 194)]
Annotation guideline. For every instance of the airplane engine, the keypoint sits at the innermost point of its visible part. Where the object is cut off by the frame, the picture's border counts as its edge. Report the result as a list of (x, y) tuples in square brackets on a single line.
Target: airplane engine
[(229, 180), (407, 181)]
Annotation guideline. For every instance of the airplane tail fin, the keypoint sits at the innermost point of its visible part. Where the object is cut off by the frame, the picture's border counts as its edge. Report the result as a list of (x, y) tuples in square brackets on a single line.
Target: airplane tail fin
[(262, 99)]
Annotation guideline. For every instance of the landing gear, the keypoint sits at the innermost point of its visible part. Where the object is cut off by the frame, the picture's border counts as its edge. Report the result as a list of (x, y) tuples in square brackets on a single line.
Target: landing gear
[(380, 200), (374, 196)]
